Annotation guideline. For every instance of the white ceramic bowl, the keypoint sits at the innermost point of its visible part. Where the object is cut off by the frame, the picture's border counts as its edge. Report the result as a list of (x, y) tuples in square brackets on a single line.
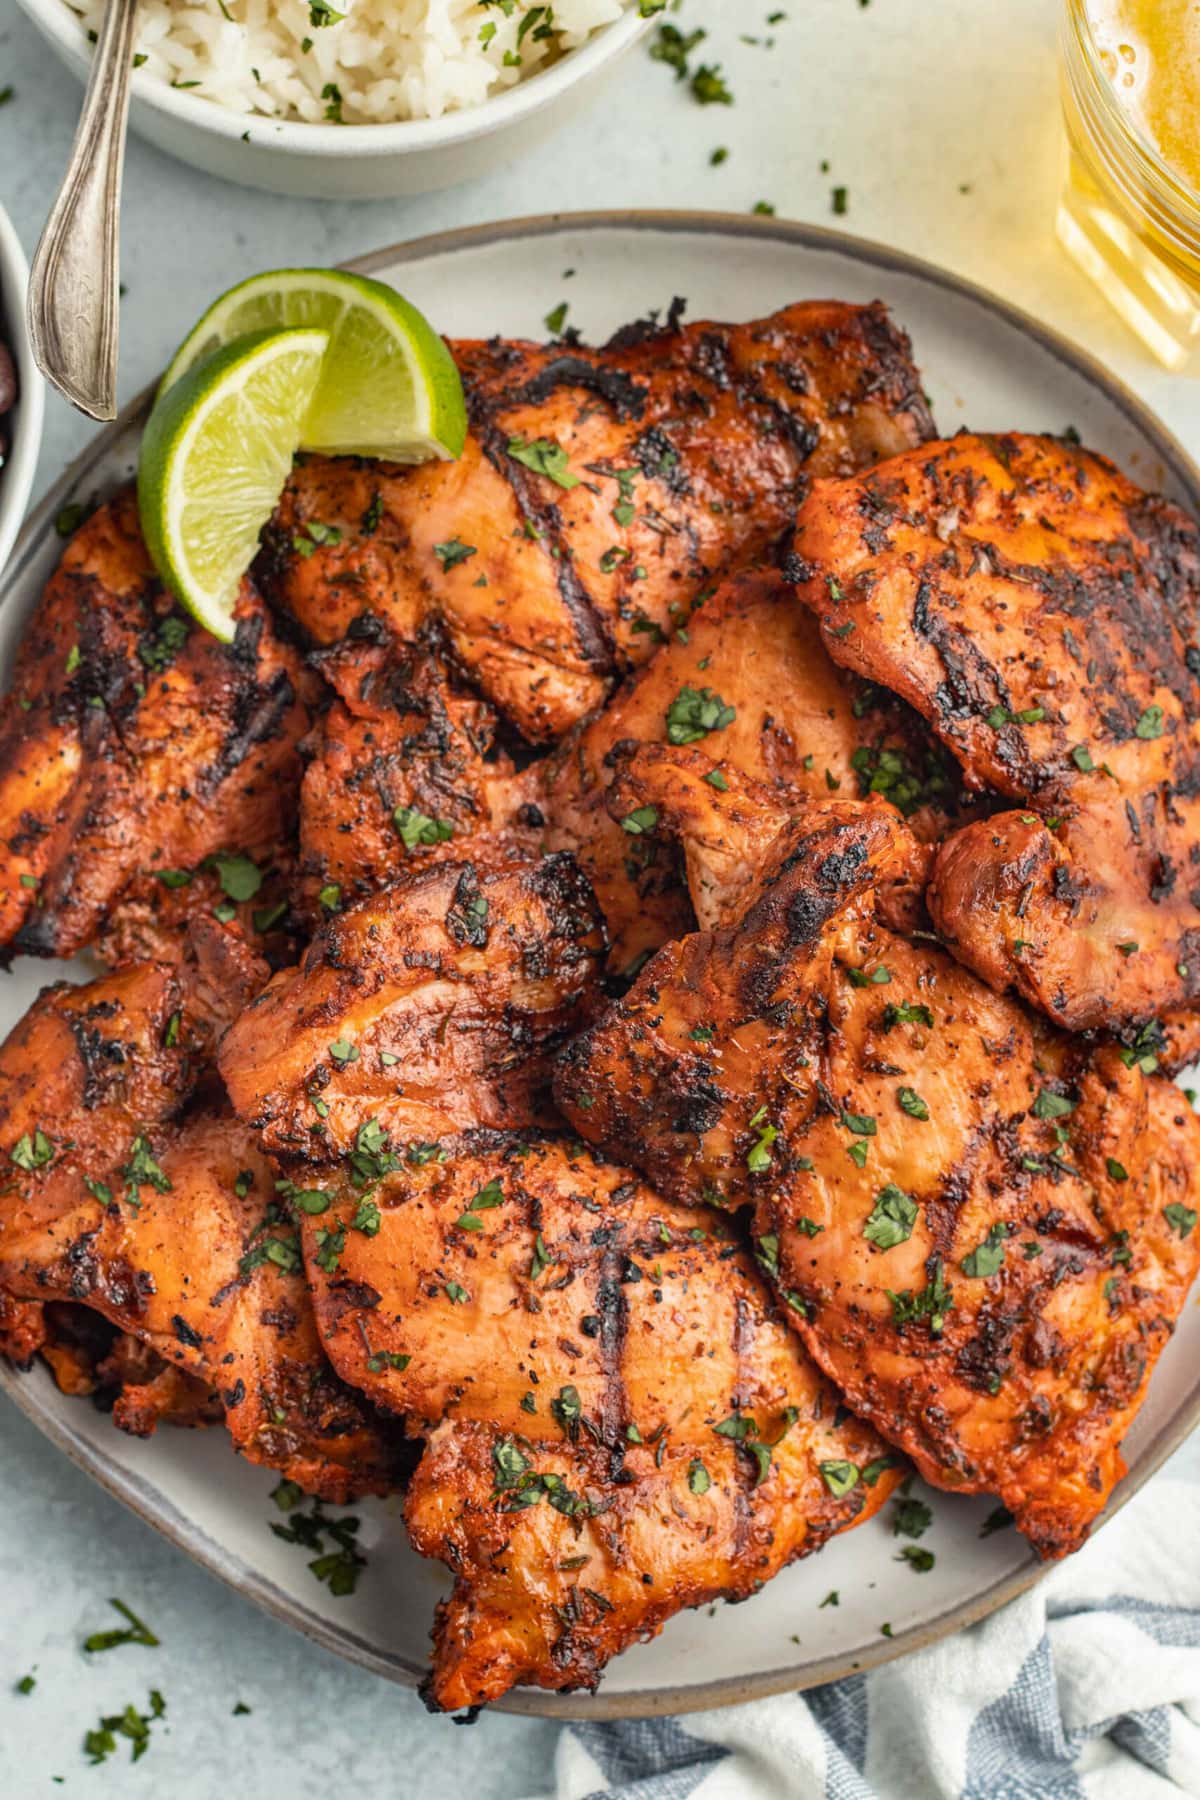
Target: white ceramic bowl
[(353, 162), (23, 425)]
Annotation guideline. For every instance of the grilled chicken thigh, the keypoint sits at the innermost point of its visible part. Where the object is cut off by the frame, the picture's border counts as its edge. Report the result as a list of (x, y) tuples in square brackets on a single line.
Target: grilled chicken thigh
[(1041, 612), (403, 770), (135, 748), (619, 1423), (165, 1221), (600, 492), (983, 1231), (431, 1005), (748, 683)]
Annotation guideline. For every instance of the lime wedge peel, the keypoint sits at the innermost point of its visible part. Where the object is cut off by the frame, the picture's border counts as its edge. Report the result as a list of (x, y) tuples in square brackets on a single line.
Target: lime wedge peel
[(215, 455), (390, 387)]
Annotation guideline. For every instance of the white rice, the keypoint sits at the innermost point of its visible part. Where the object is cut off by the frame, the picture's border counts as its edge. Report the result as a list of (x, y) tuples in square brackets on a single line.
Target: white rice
[(384, 60)]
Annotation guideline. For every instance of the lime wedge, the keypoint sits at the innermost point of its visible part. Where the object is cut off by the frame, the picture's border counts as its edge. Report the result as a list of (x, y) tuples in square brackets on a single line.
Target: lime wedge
[(389, 387), (216, 452)]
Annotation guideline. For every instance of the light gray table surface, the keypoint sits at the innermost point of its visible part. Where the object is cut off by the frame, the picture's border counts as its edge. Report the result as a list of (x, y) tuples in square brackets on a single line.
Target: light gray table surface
[(910, 101)]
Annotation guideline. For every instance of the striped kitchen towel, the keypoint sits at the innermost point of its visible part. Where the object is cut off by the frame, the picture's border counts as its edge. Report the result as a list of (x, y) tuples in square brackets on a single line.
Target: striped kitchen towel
[(1087, 1688)]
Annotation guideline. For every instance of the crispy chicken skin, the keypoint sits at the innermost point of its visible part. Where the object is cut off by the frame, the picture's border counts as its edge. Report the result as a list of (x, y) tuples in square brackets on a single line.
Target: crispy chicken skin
[(164, 1223), (792, 720), (599, 493), (1041, 612), (402, 770), (432, 1004), (133, 743), (88, 1356), (984, 1231), (146, 1392), (619, 1424)]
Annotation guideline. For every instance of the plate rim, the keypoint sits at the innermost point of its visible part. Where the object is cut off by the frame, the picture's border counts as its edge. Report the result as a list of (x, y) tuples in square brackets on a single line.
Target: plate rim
[(183, 1532)]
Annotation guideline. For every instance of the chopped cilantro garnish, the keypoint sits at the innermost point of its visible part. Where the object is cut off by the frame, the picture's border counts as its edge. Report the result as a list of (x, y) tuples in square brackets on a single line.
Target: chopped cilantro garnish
[(544, 457), (892, 1218), (135, 1632), (417, 828), (367, 1218), (840, 1477), (641, 821), (142, 1170), (987, 1258), (709, 86), (694, 713), (240, 878), (905, 1014), (454, 552), (759, 1157), (932, 1303), (330, 1244), (101, 1741), (916, 1557), (860, 979), (911, 1517), (32, 1151), (1051, 1106)]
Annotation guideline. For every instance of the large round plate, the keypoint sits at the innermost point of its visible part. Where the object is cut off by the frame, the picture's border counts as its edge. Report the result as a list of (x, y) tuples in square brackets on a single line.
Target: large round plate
[(985, 365)]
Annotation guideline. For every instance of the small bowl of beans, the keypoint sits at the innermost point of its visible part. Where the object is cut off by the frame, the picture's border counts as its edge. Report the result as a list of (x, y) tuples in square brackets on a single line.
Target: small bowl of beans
[(22, 396)]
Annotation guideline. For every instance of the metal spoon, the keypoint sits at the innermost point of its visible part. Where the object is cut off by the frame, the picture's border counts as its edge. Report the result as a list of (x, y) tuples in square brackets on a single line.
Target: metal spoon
[(72, 306)]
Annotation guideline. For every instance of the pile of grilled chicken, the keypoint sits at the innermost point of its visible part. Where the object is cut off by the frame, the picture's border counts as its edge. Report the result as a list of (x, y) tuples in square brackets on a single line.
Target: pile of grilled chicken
[(640, 987)]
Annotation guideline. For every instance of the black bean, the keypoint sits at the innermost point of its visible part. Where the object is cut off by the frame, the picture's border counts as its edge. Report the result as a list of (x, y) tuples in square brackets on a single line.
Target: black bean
[(8, 379)]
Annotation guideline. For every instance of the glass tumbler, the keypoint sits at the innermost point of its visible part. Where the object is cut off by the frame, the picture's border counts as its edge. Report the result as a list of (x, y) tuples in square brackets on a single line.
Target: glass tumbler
[(1130, 220)]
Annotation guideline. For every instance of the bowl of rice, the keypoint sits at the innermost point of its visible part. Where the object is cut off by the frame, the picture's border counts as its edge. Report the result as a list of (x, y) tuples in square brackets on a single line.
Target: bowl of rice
[(360, 100)]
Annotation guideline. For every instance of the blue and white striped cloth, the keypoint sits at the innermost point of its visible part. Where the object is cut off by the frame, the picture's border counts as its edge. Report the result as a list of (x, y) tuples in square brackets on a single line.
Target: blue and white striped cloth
[(1087, 1688)]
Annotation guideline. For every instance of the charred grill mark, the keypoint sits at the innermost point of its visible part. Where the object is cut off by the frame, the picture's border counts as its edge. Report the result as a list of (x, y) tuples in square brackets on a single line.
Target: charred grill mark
[(743, 1505), (653, 326), (802, 434), (624, 397), (100, 1056), (1107, 589), (894, 378), (658, 459), (39, 935), (258, 714), (700, 1108), (612, 1310), (591, 627)]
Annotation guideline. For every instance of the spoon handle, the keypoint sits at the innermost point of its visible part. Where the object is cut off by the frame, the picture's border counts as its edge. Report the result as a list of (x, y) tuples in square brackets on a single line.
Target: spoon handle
[(72, 307)]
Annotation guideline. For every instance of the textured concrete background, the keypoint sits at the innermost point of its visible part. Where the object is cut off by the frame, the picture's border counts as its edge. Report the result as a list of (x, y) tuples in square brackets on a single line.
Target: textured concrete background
[(910, 101)]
